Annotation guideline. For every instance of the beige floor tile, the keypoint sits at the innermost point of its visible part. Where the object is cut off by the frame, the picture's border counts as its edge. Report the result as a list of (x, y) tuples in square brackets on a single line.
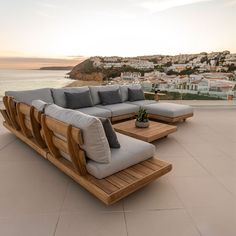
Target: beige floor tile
[(18, 151), (31, 188), (169, 147), (29, 225), (158, 195), (185, 167), (80, 200), (218, 165), (215, 221), (6, 138), (229, 183), (91, 224), (201, 192), (163, 223)]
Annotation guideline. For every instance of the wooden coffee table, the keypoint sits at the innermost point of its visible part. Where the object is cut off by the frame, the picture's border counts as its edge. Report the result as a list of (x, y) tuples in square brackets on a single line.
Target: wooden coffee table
[(155, 130)]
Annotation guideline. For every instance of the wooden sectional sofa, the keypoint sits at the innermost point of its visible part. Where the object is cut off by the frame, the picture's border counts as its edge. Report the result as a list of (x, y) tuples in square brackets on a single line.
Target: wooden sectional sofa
[(64, 137)]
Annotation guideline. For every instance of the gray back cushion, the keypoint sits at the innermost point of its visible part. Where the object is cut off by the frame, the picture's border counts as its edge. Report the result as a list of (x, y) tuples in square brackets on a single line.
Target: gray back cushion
[(135, 94), (28, 96), (94, 92), (110, 97), (124, 90), (59, 94), (78, 100), (110, 133), (95, 142)]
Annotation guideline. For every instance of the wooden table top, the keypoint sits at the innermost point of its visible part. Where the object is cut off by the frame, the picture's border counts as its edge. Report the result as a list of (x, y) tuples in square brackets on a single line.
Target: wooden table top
[(156, 130)]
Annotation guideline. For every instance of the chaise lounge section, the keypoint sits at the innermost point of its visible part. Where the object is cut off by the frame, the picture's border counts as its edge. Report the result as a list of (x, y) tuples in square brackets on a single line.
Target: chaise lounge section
[(76, 143)]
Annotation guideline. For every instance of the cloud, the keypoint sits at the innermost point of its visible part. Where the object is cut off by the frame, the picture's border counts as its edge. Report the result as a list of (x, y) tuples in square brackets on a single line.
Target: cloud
[(230, 3), (162, 5)]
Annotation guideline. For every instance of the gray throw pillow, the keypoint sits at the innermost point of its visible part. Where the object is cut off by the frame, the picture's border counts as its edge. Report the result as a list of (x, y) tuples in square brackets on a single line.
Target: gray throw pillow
[(135, 94), (110, 97), (78, 100), (110, 133)]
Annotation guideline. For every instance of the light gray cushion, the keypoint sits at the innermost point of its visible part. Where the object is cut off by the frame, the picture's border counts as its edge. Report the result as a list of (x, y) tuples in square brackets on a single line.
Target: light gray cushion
[(95, 142), (28, 96), (142, 103), (124, 90), (94, 91), (39, 105), (59, 96), (110, 97), (96, 111), (78, 100), (168, 109), (131, 152), (110, 133), (120, 108)]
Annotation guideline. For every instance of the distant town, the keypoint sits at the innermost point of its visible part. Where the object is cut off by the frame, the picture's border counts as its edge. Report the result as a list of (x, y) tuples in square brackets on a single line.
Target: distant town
[(205, 75)]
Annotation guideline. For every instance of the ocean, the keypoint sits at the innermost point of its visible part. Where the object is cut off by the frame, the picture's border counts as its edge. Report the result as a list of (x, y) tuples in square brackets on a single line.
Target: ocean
[(31, 79)]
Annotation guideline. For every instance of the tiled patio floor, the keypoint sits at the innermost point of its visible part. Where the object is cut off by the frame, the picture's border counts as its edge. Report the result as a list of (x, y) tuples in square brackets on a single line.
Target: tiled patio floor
[(197, 198)]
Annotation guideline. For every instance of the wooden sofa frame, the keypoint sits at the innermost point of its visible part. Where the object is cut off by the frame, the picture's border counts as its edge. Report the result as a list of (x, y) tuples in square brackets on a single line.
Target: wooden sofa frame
[(50, 138)]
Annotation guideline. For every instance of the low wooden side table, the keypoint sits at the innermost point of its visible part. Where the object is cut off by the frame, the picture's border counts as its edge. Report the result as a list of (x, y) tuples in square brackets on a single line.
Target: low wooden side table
[(156, 130)]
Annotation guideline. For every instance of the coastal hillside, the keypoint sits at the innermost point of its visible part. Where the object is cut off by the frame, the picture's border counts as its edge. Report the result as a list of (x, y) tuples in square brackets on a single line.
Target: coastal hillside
[(104, 68)]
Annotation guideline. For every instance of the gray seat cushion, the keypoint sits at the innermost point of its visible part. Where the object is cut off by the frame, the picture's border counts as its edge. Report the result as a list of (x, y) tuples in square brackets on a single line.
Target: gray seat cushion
[(124, 90), (142, 103), (96, 111), (59, 96), (168, 109), (94, 92), (123, 157), (95, 142), (28, 96), (120, 109)]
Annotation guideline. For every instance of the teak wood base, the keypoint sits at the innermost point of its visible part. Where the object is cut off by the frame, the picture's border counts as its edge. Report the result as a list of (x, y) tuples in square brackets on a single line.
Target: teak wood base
[(170, 119)]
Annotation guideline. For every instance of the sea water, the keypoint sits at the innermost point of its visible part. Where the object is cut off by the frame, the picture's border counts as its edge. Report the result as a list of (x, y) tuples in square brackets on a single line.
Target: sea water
[(31, 79)]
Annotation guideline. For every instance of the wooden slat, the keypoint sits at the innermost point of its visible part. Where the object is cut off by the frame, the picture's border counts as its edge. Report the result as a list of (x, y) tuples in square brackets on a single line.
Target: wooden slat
[(61, 128), (24, 109), (104, 185), (113, 179), (150, 165), (28, 124), (5, 116), (143, 169), (133, 173), (126, 177), (60, 144)]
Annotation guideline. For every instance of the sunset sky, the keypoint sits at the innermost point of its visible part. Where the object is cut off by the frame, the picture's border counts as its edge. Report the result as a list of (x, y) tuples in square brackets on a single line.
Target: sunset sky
[(64, 29)]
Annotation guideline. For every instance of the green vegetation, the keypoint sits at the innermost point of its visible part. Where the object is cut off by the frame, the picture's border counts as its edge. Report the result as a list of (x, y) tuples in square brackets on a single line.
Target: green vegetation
[(187, 96), (142, 115)]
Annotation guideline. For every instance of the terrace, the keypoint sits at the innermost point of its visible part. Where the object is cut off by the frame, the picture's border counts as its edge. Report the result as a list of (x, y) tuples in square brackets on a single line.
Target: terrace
[(198, 197)]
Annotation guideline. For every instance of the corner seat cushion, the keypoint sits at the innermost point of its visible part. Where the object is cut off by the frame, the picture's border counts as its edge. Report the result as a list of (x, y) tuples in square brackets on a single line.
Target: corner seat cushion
[(28, 96), (96, 111), (120, 109), (95, 142), (169, 109), (59, 94), (123, 157), (142, 103)]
